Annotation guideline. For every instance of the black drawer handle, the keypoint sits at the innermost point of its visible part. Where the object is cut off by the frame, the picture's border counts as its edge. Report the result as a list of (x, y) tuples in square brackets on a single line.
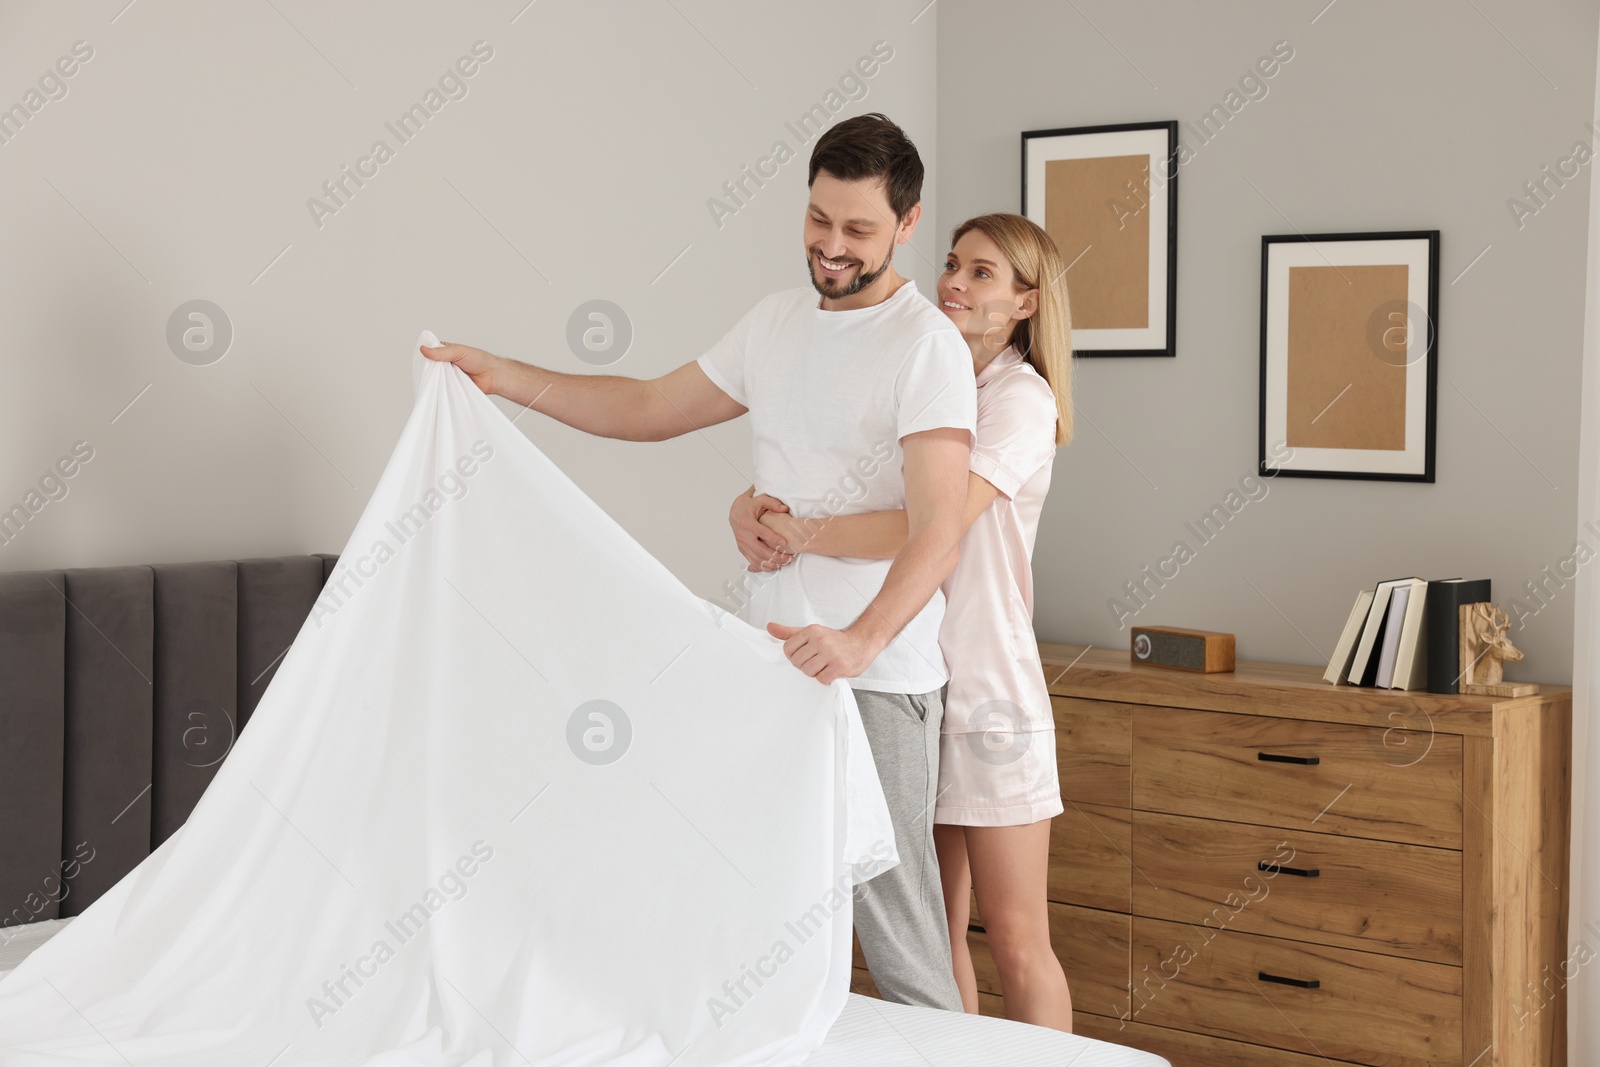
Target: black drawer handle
[(1272, 757), (1298, 983), (1273, 868)]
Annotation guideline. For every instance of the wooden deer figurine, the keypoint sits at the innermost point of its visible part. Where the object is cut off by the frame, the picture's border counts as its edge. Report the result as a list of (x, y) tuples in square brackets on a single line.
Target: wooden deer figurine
[(1485, 648)]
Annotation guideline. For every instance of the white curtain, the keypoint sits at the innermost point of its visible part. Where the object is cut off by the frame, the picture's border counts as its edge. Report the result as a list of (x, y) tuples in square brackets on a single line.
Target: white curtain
[(1583, 990)]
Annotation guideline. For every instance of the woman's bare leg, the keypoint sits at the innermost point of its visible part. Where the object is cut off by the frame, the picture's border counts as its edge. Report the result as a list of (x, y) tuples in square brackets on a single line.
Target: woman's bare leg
[(1009, 868), (950, 844)]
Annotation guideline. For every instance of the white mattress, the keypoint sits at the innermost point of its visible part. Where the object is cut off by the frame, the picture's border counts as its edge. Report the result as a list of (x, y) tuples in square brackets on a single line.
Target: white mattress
[(868, 1033), (17, 941), (876, 1033)]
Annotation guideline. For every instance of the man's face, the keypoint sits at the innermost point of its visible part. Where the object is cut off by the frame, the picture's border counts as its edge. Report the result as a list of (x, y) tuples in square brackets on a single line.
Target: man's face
[(850, 234)]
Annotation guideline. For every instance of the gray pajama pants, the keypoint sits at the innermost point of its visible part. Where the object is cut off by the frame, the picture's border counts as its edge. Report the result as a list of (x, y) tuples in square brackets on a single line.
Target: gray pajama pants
[(899, 915)]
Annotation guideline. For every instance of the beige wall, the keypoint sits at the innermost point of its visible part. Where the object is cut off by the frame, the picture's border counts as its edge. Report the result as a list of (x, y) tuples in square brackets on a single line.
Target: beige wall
[(577, 166), (1422, 115)]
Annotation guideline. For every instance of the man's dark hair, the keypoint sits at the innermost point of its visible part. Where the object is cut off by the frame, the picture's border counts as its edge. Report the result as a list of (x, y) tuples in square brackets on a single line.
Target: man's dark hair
[(871, 146)]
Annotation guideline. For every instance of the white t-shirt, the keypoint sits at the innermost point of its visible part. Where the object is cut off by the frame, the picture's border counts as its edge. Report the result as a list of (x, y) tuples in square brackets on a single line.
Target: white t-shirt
[(830, 395)]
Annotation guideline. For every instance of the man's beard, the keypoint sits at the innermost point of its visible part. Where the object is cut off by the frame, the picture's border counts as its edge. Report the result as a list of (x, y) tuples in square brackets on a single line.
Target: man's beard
[(860, 282)]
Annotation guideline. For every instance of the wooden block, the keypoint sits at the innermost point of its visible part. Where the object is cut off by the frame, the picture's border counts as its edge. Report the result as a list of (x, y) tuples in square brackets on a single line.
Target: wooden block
[(1500, 689)]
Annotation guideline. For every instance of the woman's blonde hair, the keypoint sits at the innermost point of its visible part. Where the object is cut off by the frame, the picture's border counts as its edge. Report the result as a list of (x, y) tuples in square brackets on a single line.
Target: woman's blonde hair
[(1045, 338)]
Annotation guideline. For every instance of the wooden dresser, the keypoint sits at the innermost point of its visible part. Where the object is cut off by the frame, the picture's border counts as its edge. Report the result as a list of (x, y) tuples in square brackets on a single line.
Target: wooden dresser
[(1258, 868)]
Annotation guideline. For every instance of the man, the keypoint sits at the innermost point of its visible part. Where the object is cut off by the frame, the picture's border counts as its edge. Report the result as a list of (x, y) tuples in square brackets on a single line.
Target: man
[(863, 400)]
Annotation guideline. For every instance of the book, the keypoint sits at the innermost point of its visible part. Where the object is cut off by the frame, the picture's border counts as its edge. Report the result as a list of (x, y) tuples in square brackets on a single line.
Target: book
[(1411, 659), (1364, 664), (1443, 629), (1369, 673), (1340, 663), (1392, 625)]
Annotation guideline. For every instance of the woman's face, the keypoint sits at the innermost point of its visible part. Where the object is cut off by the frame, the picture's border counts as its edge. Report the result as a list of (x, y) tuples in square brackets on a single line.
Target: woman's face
[(978, 290)]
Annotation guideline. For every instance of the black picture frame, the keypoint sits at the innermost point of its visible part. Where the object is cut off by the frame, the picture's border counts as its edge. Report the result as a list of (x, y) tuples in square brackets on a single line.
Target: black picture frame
[(1430, 355), (1032, 138)]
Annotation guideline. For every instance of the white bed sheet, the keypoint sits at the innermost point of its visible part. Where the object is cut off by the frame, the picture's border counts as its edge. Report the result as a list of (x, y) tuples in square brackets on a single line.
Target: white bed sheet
[(868, 1033), (876, 1033), (502, 718)]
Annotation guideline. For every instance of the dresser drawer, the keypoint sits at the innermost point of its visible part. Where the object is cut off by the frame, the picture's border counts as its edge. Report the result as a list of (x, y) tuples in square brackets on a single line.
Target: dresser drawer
[(1090, 851), (1093, 750), (1357, 1006), (1361, 781), (1349, 892)]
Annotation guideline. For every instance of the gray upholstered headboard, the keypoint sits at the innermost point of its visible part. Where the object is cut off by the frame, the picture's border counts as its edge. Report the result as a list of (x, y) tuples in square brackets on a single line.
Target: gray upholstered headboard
[(121, 690)]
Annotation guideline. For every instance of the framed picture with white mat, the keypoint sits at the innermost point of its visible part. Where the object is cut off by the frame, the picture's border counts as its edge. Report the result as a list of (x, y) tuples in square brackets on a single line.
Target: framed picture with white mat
[(1108, 197), (1349, 355)]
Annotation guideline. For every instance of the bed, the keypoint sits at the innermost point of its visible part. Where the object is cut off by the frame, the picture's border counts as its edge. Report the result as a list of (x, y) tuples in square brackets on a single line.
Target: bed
[(869, 1032), (127, 686)]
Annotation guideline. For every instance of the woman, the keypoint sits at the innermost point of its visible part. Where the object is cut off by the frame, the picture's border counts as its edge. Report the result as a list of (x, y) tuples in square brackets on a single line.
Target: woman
[(998, 787)]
